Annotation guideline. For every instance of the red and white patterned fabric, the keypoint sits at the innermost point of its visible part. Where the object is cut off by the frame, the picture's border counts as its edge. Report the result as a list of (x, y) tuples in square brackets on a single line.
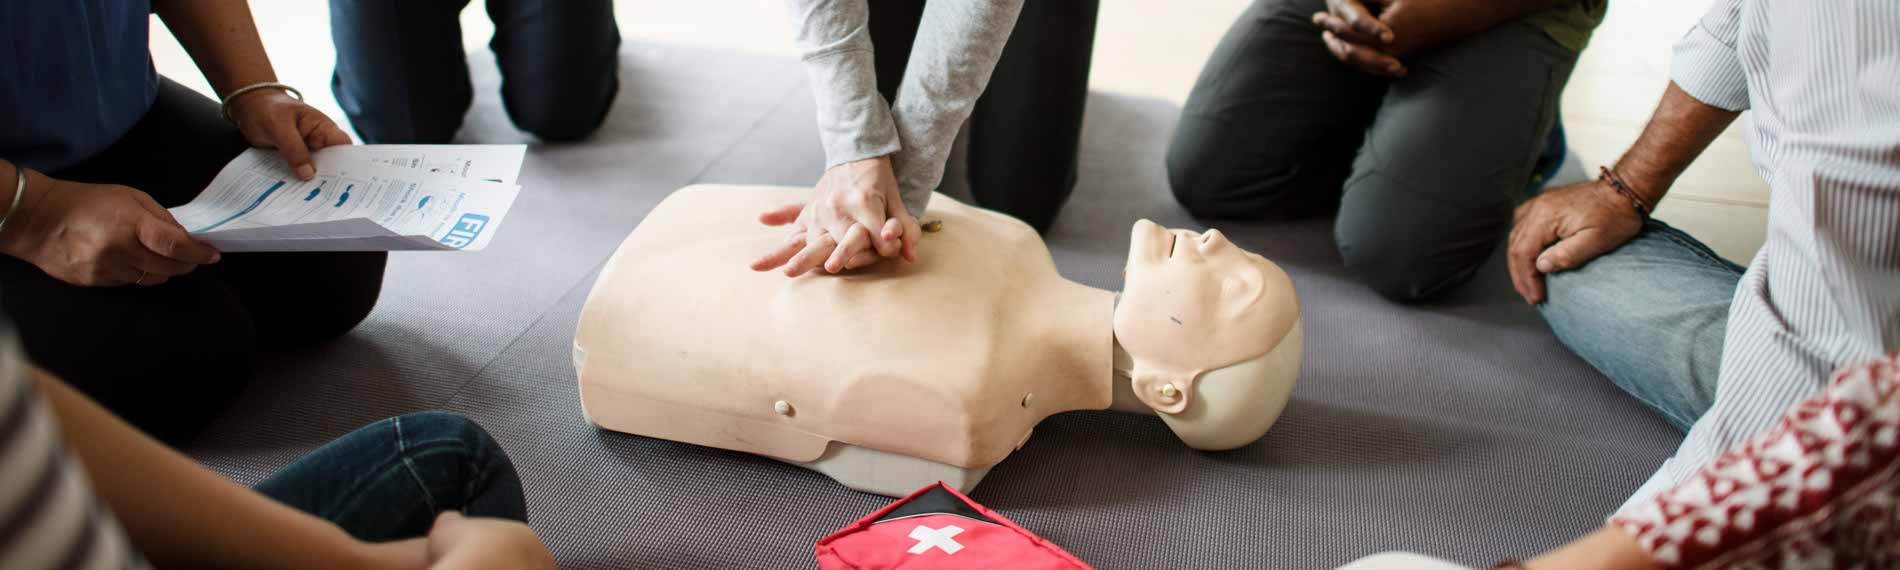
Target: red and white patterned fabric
[(1819, 490)]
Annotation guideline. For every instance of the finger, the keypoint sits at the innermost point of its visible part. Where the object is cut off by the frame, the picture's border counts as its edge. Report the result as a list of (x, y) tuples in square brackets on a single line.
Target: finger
[(781, 254), (1359, 18), (1338, 26), (1527, 241), (111, 270), (908, 231), (856, 240), (863, 259), (1365, 58), (290, 145), (783, 215), (893, 233), (817, 248), (319, 131), (153, 264), (171, 241), (145, 201), (889, 239), (868, 210), (1574, 250)]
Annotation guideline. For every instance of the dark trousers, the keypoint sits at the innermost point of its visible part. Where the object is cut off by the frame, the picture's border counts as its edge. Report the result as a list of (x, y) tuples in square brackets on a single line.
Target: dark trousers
[(1424, 171), (168, 357), (402, 77), (388, 480), (1026, 129)]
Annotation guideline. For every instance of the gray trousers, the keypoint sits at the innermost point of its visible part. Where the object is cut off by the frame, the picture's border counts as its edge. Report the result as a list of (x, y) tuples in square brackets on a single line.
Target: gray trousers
[(1424, 171)]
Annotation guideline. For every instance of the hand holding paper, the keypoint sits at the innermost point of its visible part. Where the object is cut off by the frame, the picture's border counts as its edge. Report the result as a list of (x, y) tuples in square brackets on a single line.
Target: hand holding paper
[(363, 198)]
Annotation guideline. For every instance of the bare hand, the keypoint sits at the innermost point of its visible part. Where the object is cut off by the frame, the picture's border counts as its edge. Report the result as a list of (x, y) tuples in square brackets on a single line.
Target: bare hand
[(836, 229), (1358, 38), (1584, 220), (95, 235), (270, 118), (479, 543)]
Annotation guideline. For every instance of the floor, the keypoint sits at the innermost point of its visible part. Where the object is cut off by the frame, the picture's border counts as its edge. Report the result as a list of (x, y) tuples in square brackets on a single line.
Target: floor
[(1460, 428), (1145, 51)]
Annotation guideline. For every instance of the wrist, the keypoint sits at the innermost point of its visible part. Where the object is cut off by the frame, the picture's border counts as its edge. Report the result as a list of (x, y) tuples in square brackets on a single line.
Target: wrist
[(1621, 189), (1644, 178), (241, 97), (17, 236), (407, 554)]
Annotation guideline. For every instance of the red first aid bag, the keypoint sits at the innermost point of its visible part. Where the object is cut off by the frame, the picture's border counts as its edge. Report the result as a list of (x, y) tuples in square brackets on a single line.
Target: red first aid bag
[(939, 528)]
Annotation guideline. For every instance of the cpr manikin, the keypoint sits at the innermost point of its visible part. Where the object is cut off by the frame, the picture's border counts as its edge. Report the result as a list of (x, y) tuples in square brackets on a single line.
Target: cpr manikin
[(899, 375)]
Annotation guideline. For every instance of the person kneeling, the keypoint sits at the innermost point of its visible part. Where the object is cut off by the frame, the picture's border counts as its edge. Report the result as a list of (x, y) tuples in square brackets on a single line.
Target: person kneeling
[(97, 145)]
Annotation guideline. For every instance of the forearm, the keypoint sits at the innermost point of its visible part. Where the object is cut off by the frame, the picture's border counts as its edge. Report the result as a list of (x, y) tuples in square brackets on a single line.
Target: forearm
[(958, 45), (834, 39), (180, 514), (221, 38), (1678, 132), (1606, 549), (1423, 24)]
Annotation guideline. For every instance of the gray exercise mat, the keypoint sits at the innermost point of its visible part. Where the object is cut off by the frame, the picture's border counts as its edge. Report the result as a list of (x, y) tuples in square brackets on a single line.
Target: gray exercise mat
[(1460, 428)]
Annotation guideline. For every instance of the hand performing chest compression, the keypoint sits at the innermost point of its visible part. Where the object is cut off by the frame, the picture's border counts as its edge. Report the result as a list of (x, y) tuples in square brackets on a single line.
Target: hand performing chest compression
[(855, 219)]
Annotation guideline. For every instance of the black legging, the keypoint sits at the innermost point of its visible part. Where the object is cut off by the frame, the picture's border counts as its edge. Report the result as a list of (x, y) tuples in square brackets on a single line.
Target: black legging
[(168, 357), (1027, 127)]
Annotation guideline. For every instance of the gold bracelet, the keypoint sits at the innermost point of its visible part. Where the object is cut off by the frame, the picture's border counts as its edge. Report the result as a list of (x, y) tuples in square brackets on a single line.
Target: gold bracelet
[(225, 106)]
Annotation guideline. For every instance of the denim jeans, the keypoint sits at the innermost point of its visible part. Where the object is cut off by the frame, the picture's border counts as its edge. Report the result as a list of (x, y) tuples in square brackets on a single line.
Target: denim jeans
[(402, 77), (1651, 315), (388, 480)]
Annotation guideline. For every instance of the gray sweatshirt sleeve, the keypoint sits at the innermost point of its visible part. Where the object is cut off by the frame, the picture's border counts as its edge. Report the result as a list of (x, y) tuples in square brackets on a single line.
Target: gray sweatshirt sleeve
[(854, 121), (957, 46), (958, 43)]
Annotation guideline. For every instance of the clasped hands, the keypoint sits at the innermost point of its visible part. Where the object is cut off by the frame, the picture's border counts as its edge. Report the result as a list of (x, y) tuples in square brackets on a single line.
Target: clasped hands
[(1373, 43), (835, 229)]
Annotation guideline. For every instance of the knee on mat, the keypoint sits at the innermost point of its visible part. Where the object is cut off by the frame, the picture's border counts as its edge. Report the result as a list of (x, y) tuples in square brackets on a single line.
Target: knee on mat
[(1204, 188), (561, 115), (1397, 267), (1205, 177)]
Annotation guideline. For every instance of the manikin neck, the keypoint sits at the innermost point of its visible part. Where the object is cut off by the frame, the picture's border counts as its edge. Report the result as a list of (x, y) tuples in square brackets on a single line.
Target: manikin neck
[(1121, 378), (1122, 382)]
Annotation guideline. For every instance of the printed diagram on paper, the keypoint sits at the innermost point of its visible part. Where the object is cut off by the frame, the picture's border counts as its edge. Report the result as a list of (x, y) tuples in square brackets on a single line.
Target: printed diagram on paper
[(364, 198)]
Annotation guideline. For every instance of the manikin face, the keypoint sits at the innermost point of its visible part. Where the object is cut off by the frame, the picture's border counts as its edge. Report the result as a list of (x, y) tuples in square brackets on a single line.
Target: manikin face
[(1194, 302)]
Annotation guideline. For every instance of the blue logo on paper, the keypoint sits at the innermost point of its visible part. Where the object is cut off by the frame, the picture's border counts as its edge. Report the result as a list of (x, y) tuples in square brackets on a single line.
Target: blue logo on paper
[(465, 230)]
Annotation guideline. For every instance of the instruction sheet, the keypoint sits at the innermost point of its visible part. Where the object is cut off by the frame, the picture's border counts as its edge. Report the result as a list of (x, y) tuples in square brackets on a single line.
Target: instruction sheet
[(363, 198)]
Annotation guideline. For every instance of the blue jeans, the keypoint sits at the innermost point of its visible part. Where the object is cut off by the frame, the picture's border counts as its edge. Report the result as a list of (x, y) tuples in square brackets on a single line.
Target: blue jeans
[(1651, 315), (402, 77), (388, 480)]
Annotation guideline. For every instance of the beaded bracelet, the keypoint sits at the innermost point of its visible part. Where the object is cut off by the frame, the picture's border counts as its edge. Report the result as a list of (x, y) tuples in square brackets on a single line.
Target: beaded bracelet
[(1616, 183)]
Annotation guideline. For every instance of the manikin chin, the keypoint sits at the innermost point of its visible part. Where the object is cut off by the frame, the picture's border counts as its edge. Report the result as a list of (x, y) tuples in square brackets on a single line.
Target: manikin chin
[(898, 375)]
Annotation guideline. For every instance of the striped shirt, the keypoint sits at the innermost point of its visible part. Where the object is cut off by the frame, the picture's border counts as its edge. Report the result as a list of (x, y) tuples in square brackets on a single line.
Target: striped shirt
[(1821, 82), (49, 517)]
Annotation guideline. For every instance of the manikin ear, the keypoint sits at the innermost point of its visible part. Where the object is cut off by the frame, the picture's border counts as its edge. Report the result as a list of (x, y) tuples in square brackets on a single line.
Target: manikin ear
[(1165, 392)]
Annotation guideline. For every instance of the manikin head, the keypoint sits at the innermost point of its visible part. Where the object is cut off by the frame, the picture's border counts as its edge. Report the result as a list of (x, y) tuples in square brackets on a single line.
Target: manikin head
[(1213, 333)]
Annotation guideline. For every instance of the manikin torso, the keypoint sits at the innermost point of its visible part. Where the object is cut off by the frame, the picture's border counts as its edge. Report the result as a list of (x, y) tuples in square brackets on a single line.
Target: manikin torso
[(887, 378)]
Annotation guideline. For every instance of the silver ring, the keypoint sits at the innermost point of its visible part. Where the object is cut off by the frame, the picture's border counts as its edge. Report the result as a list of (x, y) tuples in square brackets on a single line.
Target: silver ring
[(141, 279)]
